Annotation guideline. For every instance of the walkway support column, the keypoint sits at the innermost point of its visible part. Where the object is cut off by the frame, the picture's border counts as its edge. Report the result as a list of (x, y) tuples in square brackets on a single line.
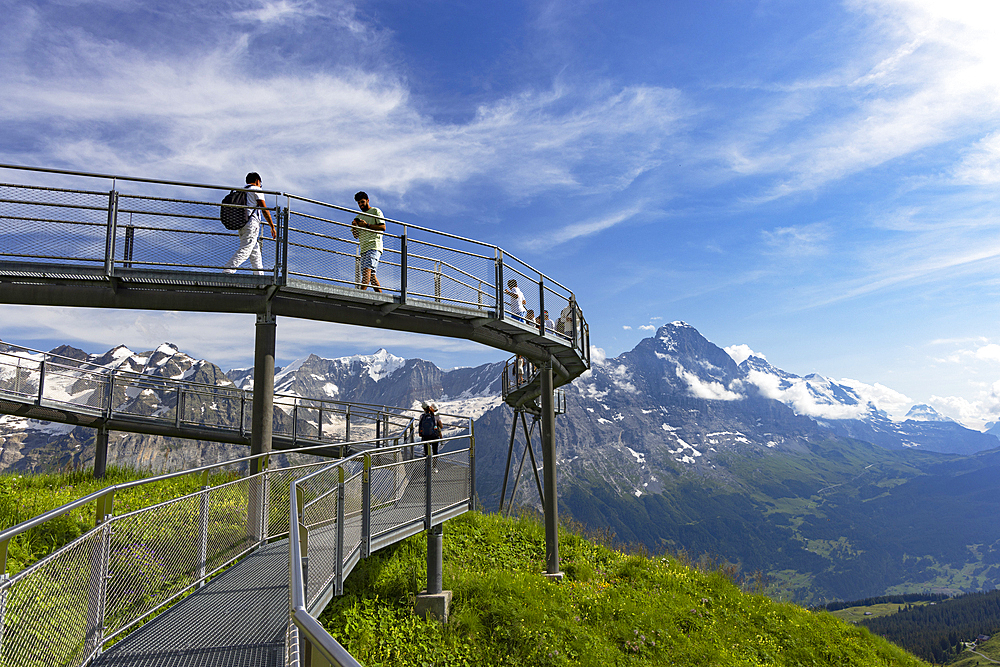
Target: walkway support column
[(262, 419), (100, 452), (434, 602), (548, 423)]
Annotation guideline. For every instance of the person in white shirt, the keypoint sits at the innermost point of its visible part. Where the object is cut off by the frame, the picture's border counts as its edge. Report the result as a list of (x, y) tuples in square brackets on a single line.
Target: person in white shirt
[(250, 232), (517, 303)]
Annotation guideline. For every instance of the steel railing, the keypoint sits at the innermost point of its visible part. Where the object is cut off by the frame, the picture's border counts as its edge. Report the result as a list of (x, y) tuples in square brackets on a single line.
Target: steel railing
[(167, 226), (521, 373), (84, 387), (347, 510), (64, 608)]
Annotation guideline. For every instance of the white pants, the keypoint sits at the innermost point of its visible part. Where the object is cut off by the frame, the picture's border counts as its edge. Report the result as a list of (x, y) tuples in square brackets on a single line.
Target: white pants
[(249, 249)]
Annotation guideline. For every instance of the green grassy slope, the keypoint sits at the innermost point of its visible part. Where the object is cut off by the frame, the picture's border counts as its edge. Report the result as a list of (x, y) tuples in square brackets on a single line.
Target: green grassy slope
[(612, 609)]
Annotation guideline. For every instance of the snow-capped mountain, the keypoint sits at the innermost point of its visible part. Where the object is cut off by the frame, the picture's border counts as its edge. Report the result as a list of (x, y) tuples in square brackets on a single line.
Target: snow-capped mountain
[(925, 413), (385, 379)]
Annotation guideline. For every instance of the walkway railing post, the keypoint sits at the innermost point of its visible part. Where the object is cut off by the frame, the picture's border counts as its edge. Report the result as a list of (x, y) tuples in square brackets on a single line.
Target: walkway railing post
[(366, 508), (428, 492), (203, 534), (402, 267), (4, 590), (541, 305), (110, 396), (340, 531), (472, 465), (109, 242), (41, 381), (319, 424), (97, 594), (179, 410), (499, 278), (347, 424)]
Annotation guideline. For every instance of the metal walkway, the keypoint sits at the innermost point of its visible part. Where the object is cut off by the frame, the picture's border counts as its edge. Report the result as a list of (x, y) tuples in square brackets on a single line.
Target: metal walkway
[(77, 239), (239, 619)]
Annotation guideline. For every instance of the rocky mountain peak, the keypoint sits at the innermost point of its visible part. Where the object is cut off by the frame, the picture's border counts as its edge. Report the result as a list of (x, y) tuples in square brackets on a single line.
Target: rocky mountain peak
[(924, 412)]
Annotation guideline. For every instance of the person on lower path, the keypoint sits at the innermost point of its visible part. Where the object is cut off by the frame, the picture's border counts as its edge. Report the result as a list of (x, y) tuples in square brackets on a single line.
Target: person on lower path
[(250, 233), (430, 428), (370, 224)]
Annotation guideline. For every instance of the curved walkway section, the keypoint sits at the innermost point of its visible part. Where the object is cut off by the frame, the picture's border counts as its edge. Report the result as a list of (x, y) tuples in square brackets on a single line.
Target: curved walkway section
[(56, 388), (77, 239)]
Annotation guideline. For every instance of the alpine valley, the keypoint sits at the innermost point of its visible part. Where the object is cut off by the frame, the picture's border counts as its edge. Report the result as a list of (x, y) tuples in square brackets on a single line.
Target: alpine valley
[(676, 446)]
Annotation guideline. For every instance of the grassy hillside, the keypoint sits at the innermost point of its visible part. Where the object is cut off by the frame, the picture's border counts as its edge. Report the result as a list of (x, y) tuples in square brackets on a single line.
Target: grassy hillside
[(612, 608)]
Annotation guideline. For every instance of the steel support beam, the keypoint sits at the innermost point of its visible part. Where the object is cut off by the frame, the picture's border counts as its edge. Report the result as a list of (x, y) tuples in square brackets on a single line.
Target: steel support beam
[(548, 424), (100, 452), (435, 559), (262, 419)]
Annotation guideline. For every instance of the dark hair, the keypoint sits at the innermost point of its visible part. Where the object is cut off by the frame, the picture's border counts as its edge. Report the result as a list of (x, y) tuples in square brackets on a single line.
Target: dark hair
[(361, 195), (252, 177)]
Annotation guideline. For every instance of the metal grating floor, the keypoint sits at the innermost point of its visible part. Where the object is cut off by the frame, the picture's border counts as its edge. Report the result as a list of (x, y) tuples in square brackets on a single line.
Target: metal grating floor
[(238, 619)]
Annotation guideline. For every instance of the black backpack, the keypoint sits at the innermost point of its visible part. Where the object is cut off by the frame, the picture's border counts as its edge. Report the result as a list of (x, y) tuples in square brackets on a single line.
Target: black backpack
[(232, 217), (428, 426)]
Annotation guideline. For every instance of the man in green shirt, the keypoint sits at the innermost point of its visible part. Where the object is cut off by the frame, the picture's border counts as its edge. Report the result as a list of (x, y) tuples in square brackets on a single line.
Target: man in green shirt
[(370, 223)]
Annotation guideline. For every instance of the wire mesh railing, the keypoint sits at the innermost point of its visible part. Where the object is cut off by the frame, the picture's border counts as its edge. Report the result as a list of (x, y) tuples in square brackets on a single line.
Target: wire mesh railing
[(349, 509), (83, 386), (64, 608), (116, 226)]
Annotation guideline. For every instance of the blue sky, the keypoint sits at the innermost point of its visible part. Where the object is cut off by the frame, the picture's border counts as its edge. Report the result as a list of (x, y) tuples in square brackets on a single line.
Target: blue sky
[(816, 181)]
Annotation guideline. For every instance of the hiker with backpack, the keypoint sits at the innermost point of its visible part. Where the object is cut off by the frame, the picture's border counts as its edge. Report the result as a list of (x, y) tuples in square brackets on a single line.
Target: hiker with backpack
[(429, 428), (247, 221)]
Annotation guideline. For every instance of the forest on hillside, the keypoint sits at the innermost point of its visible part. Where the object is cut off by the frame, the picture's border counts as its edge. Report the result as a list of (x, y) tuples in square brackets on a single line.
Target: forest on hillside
[(935, 632)]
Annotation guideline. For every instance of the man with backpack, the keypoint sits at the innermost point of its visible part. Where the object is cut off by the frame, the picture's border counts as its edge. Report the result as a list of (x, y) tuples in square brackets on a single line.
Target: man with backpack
[(429, 428), (250, 231)]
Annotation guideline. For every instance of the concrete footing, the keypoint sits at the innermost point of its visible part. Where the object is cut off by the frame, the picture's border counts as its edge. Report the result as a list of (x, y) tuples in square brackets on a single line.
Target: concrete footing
[(558, 576), (433, 605)]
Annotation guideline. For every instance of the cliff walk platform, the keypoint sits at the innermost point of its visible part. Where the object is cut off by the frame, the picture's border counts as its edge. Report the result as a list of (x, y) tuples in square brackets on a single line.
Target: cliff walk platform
[(103, 241)]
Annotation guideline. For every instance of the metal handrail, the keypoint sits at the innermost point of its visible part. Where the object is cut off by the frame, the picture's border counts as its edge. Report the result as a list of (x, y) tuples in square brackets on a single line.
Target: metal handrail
[(299, 615), (315, 633), (281, 268)]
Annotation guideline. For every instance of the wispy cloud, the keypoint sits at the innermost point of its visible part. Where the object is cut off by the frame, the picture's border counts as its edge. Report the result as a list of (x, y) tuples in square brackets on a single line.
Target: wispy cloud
[(798, 241), (934, 77), (114, 106)]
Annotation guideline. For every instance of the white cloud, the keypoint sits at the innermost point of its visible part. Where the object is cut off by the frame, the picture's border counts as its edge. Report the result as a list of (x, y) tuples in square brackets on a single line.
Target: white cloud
[(741, 353), (799, 241), (893, 402), (712, 390), (981, 164), (920, 76), (647, 327), (799, 397), (973, 413), (626, 327), (187, 114), (597, 355), (278, 12), (989, 352)]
